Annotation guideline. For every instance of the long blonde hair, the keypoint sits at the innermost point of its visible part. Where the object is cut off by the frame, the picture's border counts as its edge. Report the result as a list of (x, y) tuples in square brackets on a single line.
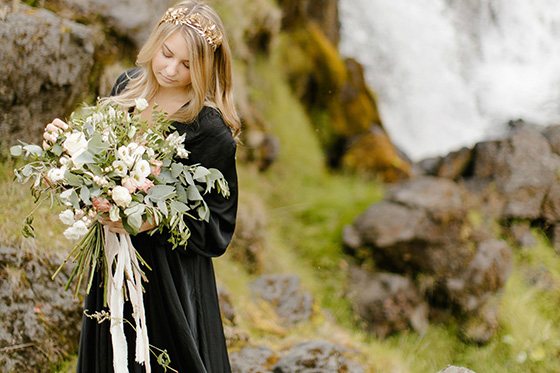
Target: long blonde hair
[(211, 75)]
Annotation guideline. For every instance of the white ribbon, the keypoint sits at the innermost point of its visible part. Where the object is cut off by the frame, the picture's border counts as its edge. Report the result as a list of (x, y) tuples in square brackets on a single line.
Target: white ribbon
[(121, 255)]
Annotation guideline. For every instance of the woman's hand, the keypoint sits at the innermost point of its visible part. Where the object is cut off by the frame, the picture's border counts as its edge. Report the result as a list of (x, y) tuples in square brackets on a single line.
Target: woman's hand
[(117, 226), (55, 126)]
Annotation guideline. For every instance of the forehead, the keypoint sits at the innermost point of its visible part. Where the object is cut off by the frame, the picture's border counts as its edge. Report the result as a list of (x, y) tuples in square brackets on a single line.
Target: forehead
[(177, 45)]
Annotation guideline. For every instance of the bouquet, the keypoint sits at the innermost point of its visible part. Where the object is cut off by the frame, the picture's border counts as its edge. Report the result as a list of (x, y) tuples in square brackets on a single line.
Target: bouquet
[(112, 164)]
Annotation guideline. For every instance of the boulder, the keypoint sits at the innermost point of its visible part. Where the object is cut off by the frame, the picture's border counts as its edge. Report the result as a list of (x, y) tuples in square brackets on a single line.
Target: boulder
[(45, 62), (483, 277), (39, 321), (454, 165), (522, 167), (250, 234), (318, 356), (253, 360), (552, 134), (423, 233), (226, 305), (415, 228), (132, 19), (284, 293), (387, 302)]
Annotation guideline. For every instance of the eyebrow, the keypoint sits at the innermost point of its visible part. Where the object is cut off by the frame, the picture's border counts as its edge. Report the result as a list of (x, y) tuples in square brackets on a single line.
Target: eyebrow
[(170, 51)]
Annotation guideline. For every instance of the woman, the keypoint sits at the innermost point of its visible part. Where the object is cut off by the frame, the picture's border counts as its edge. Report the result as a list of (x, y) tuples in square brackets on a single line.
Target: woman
[(185, 68)]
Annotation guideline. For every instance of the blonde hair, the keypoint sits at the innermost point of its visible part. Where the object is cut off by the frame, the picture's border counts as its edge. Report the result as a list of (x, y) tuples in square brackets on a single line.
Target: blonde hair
[(211, 75)]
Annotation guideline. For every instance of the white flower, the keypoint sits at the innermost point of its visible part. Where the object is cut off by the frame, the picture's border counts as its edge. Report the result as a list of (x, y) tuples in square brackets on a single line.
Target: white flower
[(181, 152), (120, 168), (150, 152), (101, 181), (45, 145), (138, 152), (123, 152), (142, 168), (67, 217), (97, 118), (56, 174), (124, 155), (132, 132), (64, 161), (91, 214), (78, 213), (74, 143), (76, 231), (138, 178), (141, 104), (121, 196), (114, 213), (112, 113)]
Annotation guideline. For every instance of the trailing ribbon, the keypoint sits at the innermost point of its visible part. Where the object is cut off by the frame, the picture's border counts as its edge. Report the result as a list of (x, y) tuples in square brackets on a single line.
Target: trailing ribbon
[(121, 256)]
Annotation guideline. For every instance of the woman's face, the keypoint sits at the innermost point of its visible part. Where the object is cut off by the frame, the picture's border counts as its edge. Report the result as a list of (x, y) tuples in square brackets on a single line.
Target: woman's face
[(171, 64)]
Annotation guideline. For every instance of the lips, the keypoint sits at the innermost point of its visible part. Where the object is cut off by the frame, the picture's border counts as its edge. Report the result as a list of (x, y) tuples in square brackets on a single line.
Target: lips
[(166, 79)]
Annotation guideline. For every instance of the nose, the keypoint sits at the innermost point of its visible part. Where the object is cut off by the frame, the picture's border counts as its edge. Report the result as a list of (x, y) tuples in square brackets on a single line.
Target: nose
[(171, 69)]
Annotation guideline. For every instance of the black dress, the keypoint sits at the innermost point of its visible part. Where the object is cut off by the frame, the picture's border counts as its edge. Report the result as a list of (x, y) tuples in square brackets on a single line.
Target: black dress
[(181, 302)]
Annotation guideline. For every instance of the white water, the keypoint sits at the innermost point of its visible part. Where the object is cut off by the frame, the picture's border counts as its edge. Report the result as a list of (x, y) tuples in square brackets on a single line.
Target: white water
[(449, 73)]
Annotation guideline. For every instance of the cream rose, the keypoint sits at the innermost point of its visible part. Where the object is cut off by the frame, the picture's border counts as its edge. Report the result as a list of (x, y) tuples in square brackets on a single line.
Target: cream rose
[(142, 168), (67, 217), (56, 174), (141, 104), (76, 231), (121, 196), (74, 143)]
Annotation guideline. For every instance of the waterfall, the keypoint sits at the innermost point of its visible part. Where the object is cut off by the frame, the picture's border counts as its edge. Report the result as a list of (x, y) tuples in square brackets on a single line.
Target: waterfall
[(449, 73)]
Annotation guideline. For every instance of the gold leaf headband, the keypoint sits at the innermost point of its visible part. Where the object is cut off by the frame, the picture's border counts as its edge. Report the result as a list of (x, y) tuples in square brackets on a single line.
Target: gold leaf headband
[(202, 25)]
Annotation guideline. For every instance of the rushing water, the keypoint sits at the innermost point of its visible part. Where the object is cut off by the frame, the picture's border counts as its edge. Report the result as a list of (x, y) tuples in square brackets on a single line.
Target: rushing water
[(448, 73)]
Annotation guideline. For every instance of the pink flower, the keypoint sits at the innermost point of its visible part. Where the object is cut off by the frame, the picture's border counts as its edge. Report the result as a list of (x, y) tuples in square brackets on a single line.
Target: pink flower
[(101, 204), (146, 186), (155, 166), (130, 185)]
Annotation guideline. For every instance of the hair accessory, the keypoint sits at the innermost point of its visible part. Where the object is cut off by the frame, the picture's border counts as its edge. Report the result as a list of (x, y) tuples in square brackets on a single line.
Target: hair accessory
[(202, 25)]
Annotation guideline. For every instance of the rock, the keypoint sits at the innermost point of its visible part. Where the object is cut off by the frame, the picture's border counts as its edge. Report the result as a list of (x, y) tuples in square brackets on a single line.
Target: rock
[(484, 276), (39, 321), (235, 336), (249, 238), (554, 236), (454, 369), (317, 356), (551, 204), (479, 327), (339, 103), (521, 234), (522, 167), (416, 227), (133, 19), (322, 12), (552, 134), (387, 302), (226, 305), (45, 62), (373, 154), (454, 164), (283, 292), (252, 360)]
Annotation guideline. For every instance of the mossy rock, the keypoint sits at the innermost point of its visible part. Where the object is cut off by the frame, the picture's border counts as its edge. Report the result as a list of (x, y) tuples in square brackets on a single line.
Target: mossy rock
[(339, 103)]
